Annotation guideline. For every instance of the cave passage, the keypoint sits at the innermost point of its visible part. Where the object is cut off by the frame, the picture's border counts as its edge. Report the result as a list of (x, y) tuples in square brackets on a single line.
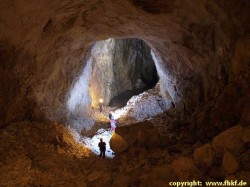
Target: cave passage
[(122, 73), (121, 68), (117, 71), (141, 70)]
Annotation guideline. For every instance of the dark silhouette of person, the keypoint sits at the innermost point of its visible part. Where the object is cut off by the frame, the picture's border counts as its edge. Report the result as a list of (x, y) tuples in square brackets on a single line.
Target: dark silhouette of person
[(110, 116), (102, 146)]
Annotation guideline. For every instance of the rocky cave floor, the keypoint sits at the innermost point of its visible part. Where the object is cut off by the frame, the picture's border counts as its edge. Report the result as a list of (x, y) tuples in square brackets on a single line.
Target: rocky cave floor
[(138, 107), (46, 154), (149, 152)]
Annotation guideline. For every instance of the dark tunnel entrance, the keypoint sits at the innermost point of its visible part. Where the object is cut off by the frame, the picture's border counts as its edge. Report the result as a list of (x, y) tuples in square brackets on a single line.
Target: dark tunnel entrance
[(141, 71)]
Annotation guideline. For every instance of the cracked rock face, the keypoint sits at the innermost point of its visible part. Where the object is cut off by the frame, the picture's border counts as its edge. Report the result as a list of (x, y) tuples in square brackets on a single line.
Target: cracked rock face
[(44, 48)]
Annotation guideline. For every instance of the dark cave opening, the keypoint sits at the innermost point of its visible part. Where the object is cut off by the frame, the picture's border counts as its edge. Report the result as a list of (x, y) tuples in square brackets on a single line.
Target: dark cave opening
[(133, 56), (120, 100)]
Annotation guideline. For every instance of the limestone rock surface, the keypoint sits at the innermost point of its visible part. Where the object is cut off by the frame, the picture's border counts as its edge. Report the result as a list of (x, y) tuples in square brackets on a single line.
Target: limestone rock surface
[(49, 154), (204, 155), (229, 140), (119, 65), (198, 50), (185, 169), (229, 163), (118, 144)]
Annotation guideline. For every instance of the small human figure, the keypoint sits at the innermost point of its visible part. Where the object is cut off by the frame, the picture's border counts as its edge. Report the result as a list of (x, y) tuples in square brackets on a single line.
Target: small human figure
[(110, 116), (102, 146), (112, 123), (100, 106)]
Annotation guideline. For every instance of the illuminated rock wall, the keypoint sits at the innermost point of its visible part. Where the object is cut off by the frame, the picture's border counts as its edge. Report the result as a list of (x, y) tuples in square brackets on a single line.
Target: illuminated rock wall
[(44, 48), (119, 65)]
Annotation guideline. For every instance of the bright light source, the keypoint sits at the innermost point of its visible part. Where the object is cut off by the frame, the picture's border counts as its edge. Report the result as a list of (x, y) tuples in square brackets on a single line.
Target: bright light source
[(100, 100)]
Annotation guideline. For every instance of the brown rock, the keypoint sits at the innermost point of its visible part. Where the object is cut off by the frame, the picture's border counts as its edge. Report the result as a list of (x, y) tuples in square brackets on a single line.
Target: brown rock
[(229, 163), (231, 177), (216, 172), (43, 50), (229, 139), (245, 159), (94, 176), (185, 169), (187, 136), (246, 135), (157, 153), (245, 117), (163, 173), (158, 176), (138, 132), (160, 183), (121, 181), (204, 155), (130, 133), (146, 180), (244, 175), (118, 144), (148, 137)]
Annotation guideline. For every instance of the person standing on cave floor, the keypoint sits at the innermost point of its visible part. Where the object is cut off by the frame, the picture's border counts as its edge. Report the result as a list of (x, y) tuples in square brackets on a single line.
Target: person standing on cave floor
[(112, 123), (102, 146)]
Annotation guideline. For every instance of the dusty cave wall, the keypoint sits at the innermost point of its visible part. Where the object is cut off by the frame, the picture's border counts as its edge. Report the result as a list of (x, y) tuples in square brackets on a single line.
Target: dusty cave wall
[(44, 46)]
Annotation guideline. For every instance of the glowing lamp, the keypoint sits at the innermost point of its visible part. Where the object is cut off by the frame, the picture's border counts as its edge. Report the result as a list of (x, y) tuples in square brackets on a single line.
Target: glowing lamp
[(100, 101)]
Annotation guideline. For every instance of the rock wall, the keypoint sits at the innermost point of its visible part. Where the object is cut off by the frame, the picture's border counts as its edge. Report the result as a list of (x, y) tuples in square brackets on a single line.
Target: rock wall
[(44, 48), (120, 65)]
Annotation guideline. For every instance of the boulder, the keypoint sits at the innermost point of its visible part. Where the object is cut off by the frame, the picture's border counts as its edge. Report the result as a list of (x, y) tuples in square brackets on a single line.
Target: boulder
[(246, 135), (187, 136), (245, 117), (231, 177), (229, 163), (148, 137), (244, 175), (94, 176), (217, 172), (143, 133), (185, 169), (129, 133), (163, 173), (118, 144), (121, 181), (157, 153), (203, 155), (229, 139), (158, 176)]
